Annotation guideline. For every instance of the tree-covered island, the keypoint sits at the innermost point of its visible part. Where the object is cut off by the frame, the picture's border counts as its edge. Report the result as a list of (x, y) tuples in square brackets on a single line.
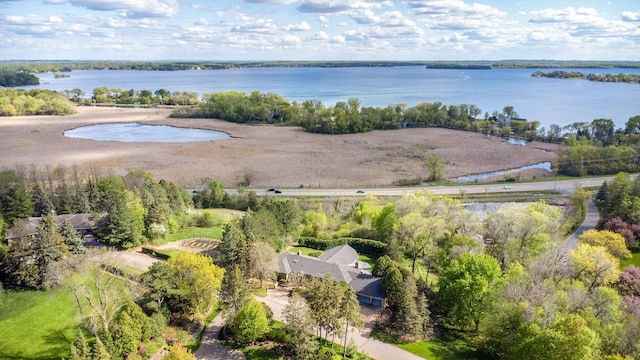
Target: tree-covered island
[(560, 74)]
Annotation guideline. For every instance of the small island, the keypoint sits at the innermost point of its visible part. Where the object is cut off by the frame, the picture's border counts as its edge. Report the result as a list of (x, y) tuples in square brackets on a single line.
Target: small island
[(559, 74)]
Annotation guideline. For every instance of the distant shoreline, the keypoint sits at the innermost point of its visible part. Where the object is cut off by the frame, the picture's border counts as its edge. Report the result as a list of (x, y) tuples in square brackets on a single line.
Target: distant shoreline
[(39, 66)]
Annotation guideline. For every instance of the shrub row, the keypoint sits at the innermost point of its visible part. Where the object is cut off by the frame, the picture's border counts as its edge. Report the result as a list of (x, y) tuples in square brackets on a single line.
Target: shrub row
[(155, 253), (362, 246)]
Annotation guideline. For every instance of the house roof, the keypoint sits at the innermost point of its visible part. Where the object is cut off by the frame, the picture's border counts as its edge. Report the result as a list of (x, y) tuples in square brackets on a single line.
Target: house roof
[(341, 255), (361, 281), (79, 222)]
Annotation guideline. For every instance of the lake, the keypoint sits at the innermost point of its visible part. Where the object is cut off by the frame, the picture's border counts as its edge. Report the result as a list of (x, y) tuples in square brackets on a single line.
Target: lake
[(550, 101)]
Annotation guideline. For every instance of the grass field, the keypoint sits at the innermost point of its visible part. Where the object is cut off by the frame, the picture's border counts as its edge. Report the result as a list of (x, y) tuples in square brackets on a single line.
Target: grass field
[(635, 259), (196, 232), (37, 324), (443, 350)]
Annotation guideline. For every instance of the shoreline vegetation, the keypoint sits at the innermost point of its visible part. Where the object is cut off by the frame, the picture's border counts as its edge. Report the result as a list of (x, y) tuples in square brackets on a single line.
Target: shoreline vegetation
[(577, 75), (40, 66)]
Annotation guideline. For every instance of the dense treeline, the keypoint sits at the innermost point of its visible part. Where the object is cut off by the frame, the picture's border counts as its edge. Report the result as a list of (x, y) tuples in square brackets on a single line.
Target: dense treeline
[(131, 210), (618, 201), (597, 148), (17, 78), (66, 66), (559, 74), (119, 96), (16, 102), (349, 117)]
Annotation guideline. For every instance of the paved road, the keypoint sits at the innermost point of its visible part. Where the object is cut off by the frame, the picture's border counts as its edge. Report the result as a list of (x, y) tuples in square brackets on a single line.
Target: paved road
[(559, 185), (378, 350), (590, 221), (211, 348)]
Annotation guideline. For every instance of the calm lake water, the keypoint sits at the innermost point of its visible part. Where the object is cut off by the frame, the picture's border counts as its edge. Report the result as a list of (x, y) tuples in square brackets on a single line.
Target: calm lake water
[(550, 101), (136, 132)]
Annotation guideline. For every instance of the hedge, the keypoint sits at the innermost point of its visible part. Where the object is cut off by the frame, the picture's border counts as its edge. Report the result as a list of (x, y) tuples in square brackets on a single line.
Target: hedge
[(362, 246), (155, 253)]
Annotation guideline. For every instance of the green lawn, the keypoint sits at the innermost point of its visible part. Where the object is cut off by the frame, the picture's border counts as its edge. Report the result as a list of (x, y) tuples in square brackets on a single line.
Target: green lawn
[(443, 350), (635, 259), (37, 324), (196, 232)]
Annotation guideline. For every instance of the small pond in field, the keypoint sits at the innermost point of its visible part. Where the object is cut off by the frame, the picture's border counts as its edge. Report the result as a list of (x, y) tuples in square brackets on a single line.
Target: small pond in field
[(475, 177), (136, 132)]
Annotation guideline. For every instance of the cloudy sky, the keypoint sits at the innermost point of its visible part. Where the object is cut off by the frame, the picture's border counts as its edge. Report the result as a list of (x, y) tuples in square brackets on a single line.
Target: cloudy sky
[(319, 29)]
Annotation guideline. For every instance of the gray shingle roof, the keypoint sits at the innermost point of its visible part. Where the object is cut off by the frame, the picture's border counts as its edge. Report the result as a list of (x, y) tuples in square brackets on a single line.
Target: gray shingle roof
[(342, 255), (360, 281), (79, 222)]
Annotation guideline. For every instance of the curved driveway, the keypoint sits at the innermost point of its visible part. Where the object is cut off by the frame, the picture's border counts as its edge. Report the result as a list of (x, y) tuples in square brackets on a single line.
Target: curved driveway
[(378, 350), (590, 221)]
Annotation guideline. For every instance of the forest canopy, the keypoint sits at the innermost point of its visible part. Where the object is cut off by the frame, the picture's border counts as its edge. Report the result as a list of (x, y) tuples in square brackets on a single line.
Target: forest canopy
[(10, 78)]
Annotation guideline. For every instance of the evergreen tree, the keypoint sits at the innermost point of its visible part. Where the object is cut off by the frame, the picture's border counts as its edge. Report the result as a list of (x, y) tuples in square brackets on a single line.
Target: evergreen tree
[(234, 249), (72, 238), (48, 246), (125, 335), (234, 291), (99, 351), (80, 349)]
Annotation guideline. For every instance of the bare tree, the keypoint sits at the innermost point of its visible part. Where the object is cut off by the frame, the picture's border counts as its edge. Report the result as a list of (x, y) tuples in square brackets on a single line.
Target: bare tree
[(262, 260), (98, 293)]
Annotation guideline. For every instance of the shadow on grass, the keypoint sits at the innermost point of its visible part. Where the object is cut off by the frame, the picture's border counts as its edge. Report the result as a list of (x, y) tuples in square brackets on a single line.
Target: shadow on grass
[(451, 345)]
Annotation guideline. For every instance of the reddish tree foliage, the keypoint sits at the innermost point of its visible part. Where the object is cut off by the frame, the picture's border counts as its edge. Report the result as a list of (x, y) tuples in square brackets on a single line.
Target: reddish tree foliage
[(631, 232), (629, 281)]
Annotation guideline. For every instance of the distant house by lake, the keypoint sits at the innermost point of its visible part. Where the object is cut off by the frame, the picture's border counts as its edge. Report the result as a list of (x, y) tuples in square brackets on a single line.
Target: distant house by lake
[(341, 262)]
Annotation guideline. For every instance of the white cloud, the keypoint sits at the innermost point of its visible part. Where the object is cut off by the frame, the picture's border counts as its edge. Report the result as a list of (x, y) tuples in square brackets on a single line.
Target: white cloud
[(255, 26), (303, 26), (132, 8), (338, 7), (568, 15), (272, 2), (320, 35), (630, 16)]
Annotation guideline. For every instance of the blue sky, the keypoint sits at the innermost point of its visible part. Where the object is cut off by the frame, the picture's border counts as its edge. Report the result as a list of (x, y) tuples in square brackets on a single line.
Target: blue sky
[(319, 30)]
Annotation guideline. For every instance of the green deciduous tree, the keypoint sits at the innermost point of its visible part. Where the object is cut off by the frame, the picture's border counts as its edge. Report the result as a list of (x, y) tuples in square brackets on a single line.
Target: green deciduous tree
[(522, 232), (419, 234), (197, 278), (465, 286), (594, 266), (614, 243), (251, 323), (435, 165)]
